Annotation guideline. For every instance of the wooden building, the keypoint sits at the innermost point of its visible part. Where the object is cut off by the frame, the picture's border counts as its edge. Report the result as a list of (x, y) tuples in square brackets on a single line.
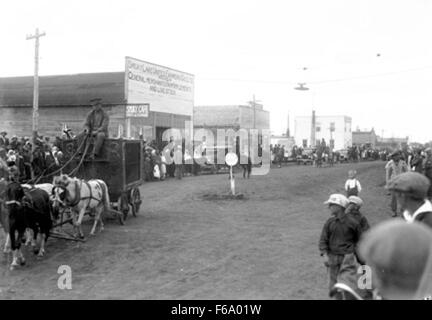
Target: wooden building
[(364, 138), (145, 99)]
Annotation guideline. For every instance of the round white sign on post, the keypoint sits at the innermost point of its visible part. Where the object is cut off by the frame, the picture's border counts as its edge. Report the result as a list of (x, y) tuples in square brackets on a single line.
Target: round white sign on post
[(231, 159)]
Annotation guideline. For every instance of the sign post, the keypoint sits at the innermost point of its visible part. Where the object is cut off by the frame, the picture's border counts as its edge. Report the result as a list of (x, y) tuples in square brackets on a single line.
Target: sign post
[(231, 159)]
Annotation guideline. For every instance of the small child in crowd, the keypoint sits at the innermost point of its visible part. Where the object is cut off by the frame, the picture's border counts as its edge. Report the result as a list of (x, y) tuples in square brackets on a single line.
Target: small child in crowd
[(352, 185)]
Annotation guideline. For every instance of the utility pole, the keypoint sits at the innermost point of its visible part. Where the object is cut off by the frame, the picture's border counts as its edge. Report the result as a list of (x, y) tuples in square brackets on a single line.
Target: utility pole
[(313, 128), (35, 121), (253, 104), (254, 113)]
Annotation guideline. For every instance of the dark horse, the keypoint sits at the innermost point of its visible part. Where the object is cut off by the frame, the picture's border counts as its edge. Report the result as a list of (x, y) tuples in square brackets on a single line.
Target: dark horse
[(30, 209)]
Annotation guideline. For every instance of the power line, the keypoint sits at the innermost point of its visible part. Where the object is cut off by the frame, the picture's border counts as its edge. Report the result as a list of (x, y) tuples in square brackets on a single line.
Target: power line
[(376, 75), (371, 76)]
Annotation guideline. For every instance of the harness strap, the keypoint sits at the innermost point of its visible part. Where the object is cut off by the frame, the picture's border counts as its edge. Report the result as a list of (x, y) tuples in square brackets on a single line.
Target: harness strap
[(13, 202), (91, 194), (77, 195)]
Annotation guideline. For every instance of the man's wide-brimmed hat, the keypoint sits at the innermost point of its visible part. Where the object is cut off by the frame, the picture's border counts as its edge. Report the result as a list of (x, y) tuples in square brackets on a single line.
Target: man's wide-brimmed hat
[(96, 100)]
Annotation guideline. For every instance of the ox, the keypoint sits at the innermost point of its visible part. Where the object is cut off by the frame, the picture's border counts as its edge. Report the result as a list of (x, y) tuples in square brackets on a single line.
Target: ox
[(27, 209)]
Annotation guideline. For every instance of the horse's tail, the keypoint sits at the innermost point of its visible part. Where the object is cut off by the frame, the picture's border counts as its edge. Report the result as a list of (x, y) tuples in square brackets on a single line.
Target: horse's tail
[(105, 194)]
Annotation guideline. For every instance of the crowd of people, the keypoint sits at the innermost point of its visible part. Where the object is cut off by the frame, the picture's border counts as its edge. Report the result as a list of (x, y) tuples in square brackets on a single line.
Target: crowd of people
[(324, 153), (22, 160), (398, 251)]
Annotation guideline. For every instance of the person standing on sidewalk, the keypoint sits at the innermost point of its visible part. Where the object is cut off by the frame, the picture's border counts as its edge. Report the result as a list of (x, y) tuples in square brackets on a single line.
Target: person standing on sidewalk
[(178, 161)]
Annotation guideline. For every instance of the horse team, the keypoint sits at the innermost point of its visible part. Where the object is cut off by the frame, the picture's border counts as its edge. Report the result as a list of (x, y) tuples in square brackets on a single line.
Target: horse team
[(27, 211)]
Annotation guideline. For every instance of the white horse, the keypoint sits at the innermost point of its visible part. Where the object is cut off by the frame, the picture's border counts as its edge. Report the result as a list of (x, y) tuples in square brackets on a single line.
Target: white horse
[(81, 196)]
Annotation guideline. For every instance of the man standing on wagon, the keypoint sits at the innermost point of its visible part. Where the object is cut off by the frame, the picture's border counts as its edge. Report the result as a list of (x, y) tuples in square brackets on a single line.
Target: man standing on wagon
[(96, 126)]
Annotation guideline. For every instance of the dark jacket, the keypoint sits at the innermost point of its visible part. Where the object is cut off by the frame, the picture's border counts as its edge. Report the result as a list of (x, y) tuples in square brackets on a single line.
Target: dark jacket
[(340, 235), (427, 167), (417, 162), (97, 120), (361, 219), (423, 214), (4, 142)]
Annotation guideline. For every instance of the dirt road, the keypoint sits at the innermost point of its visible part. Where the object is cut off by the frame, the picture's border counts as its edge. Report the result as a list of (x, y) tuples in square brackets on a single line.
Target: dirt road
[(182, 246)]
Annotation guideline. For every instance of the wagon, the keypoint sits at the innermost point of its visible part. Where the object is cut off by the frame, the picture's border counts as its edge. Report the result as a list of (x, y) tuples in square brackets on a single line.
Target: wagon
[(120, 165)]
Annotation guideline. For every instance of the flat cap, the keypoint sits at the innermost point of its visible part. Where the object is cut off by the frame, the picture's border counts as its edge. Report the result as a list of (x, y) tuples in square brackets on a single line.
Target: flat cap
[(395, 154), (399, 255), (338, 199), (413, 183), (356, 200)]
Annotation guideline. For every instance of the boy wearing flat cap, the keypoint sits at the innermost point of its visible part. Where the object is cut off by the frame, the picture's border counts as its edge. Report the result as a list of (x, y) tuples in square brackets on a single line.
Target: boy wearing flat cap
[(353, 209), (339, 238), (410, 190)]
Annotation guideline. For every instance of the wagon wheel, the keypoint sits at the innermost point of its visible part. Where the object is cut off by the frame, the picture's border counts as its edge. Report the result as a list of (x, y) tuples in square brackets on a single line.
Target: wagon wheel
[(135, 201)]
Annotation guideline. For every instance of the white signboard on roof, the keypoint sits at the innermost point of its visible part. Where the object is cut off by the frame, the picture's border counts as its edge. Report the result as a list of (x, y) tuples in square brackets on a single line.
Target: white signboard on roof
[(165, 89)]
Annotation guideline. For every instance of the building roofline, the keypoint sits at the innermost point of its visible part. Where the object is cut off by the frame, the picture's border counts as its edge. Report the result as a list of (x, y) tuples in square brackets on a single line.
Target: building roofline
[(63, 75), (318, 116), (155, 64)]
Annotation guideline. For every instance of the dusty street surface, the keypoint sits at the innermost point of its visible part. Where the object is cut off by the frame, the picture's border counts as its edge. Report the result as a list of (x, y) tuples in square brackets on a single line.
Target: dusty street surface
[(182, 246)]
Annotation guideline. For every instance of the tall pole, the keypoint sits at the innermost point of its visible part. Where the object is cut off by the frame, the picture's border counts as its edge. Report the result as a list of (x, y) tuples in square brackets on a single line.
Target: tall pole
[(313, 143), (35, 121), (254, 113), (288, 127)]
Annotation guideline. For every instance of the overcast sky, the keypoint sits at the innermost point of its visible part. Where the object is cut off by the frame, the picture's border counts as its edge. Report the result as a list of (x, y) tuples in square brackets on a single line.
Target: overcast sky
[(239, 48)]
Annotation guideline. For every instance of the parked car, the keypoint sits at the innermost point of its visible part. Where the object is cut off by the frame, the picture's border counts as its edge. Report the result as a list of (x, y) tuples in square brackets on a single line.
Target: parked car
[(306, 157), (343, 155)]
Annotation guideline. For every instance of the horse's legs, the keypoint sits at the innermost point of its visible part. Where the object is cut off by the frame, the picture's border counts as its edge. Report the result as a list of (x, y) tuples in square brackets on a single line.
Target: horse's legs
[(7, 246), (80, 217), (16, 248), (75, 223), (98, 218), (101, 221), (14, 263), (35, 241), (42, 246), (29, 237)]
